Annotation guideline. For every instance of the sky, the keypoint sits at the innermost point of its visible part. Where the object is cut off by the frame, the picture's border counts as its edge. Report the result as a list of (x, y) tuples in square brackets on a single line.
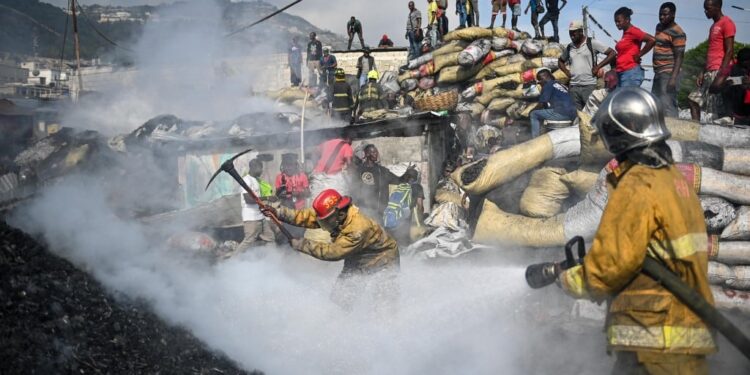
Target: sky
[(389, 16)]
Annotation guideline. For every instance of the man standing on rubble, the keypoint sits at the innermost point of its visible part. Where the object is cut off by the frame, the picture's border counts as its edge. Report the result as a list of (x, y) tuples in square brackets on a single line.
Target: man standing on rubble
[(365, 64), (652, 212), (578, 62), (373, 182), (364, 246), (354, 27), (668, 55), (314, 53)]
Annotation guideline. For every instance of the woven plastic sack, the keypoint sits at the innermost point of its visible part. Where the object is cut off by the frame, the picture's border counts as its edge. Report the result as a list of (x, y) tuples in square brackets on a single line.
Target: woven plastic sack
[(497, 227), (415, 63), (731, 252), (475, 52), (409, 84), (389, 82), (730, 299), (453, 74), (580, 181), (500, 104), (592, 147), (426, 83), (718, 213), (447, 215), (474, 33), (515, 110), (454, 46), (732, 187), (532, 48), (741, 280), (484, 175), (449, 59), (719, 273), (739, 228), (545, 193), (552, 50)]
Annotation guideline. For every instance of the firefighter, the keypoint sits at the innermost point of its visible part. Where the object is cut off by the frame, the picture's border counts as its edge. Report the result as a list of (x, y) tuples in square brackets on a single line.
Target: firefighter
[(340, 97), (653, 211), (363, 245), (370, 96)]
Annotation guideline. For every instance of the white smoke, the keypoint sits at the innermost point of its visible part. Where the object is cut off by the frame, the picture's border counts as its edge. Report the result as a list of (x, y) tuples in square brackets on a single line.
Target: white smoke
[(273, 313)]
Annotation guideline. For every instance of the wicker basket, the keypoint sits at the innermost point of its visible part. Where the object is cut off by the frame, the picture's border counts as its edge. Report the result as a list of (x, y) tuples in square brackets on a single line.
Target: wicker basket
[(444, 101)]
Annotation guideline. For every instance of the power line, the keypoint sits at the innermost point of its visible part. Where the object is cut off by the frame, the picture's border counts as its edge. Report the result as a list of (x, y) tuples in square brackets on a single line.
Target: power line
[(65, 38), (243, 28), (90, 23), (677, 18)]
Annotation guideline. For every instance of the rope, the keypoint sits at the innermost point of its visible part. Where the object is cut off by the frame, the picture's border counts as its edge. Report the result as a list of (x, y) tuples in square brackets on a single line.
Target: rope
[(243, 28), (600, 26)]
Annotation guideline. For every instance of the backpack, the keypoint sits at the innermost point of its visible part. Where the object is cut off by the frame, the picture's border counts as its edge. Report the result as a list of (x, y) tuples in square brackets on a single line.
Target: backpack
[(591, 50), (399, 206)]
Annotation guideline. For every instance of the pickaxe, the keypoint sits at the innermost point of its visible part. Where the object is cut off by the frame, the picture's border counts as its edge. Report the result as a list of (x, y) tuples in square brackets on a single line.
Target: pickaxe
[(228, 166)]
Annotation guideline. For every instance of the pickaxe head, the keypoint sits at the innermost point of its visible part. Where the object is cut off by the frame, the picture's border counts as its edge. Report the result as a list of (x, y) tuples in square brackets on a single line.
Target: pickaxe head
[(227, 166)]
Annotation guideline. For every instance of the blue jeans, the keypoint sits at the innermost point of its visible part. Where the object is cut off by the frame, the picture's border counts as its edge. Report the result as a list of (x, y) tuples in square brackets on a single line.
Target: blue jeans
[(414, 50), (362, 79), (461, 9), (630, 78), (540, 115)]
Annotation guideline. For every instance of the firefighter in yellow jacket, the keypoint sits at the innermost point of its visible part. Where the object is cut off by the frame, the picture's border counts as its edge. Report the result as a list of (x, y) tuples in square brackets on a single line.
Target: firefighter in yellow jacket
[(370, 96), (364, 246), (652, 212)]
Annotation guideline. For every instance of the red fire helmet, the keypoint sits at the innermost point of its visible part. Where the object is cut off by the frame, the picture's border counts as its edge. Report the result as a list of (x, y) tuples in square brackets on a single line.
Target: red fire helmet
[(328, 201)]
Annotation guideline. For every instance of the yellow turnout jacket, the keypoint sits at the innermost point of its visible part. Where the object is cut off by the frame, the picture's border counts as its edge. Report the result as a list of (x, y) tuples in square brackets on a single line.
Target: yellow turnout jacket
[(362, 243), (656, 213)]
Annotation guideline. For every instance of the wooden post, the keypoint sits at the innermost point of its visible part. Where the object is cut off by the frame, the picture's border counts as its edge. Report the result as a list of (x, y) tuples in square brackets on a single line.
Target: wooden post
[(77, 46)]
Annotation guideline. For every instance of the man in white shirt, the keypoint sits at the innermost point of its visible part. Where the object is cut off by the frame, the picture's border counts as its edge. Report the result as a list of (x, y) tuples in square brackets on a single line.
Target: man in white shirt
[(257, 226)]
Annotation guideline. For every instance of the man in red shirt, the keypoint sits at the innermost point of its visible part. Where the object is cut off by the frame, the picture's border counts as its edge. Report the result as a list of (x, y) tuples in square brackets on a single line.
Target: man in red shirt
[(720, 52), (292, 186), (335, 156)]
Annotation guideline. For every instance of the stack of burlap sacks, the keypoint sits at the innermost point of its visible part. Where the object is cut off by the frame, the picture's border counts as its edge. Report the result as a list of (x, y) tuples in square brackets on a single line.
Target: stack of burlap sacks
[(488, 67), (565, 193)]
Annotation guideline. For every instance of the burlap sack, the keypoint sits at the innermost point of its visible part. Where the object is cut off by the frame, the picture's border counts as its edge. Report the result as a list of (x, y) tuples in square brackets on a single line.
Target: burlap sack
[(739, 228), (545, 194), (500, 104), (592, 148), (449, 59), (474, 33), (454, 46), (731, 252), (453, 74)]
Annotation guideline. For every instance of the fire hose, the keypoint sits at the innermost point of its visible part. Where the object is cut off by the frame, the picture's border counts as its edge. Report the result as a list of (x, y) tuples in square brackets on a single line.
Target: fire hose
[(543, 274)]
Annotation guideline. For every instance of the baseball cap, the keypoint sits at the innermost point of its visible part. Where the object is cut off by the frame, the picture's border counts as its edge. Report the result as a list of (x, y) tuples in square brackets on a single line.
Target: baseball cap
[(575, 25)]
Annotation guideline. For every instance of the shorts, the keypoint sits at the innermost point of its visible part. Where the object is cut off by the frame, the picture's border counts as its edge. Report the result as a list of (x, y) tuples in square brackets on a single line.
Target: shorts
[(709, 103), (517, 10), (499, 5)]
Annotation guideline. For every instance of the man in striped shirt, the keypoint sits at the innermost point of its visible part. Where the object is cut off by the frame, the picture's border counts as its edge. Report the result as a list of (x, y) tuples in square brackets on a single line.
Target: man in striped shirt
[(668, 56)]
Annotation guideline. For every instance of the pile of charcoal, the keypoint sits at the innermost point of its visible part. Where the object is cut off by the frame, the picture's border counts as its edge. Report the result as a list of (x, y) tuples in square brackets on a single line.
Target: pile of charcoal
[(56, 319)]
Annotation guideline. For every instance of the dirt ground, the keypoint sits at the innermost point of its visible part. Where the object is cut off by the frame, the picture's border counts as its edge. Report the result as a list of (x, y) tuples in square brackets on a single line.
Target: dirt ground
[(57, 319)]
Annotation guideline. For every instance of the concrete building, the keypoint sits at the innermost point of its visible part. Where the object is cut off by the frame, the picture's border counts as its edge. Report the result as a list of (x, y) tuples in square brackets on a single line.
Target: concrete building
[(12, 73)]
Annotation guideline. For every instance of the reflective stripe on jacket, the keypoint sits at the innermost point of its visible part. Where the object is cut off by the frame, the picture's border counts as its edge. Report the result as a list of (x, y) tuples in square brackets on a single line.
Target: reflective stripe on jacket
[(342, 96), (362, 243), (650, 212), (370, 97)]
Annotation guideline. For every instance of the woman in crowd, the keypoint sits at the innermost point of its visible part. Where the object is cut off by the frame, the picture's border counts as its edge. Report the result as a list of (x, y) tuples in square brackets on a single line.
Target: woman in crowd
[(629, 51)]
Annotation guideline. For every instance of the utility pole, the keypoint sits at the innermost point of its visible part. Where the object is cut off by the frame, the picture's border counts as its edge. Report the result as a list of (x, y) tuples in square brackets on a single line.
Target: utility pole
[(586, 21), (77, 45)]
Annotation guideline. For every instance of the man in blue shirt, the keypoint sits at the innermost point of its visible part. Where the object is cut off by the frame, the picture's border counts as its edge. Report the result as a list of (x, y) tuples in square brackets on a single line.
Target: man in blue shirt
[(555, 102)]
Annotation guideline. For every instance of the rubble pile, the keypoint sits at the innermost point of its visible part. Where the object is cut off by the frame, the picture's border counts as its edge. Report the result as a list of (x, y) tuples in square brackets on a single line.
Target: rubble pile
[(57, 319)]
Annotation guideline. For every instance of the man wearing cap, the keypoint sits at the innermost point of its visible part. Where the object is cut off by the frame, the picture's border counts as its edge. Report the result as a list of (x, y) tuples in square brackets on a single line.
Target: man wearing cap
[(365, 64), (364, 246), (578, 62), (328, 65)]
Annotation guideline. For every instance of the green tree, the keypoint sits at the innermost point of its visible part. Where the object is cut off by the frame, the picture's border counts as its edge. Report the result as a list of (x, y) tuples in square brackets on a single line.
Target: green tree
[(695, 60)]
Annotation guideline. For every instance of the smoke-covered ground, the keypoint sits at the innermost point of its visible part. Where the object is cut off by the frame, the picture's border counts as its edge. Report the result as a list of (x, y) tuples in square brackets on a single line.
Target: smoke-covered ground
[(273, 312)]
